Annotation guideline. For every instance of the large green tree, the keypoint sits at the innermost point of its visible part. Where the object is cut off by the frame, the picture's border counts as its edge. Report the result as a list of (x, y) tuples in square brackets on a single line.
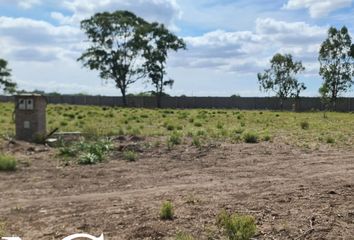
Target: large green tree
[(336, 59), (115, 47), (158, 42), (6, 84), (281, 77)]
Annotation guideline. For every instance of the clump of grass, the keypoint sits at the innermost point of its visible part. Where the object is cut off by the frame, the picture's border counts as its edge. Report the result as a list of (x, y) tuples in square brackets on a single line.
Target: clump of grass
[(330, 140), (2, 229), (198, 124), (250, 137), (237, 227), (266, 138), (170, 127), (174, 139), (7, 162), (167, 211), (305, 125), (184, 236), (130, 156), (196, 142)]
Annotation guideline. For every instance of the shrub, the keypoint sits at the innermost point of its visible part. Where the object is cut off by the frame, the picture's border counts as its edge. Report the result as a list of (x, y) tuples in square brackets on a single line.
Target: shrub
[(7, 163), (250, 137), (166, 211), (305, 125), (130, 156), (89, 152), (184, 236), (237, 227)]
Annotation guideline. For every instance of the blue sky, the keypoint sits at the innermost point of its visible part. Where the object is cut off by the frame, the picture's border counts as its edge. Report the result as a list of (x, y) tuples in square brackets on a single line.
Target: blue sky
[(228, 41)]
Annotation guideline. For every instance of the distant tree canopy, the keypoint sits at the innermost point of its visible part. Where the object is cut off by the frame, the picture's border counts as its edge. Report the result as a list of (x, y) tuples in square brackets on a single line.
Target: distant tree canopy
[(281, 77), (126, 48), (158, 42), (6, 84), (336, 59)]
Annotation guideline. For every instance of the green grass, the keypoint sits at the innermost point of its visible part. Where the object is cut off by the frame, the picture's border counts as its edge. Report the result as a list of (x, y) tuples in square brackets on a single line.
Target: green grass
[(7, 163), (167, 211), (237, 227), (184, 236), (130, 156), (285, 127)]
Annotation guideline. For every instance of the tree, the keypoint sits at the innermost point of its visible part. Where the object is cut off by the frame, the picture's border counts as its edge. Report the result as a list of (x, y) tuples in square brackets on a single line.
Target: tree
[(5, 78), (114, 47), (280, 77), (336, 59), (158, 42)]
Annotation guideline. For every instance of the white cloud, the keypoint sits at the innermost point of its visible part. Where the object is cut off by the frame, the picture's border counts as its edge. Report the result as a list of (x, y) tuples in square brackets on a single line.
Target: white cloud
[(248, 52), (25, 4), (165, 11), (31, 40), (318, 8)]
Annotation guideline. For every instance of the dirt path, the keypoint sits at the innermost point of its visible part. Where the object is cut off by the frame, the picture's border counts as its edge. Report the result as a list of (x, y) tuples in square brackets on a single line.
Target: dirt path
[(293, 194)]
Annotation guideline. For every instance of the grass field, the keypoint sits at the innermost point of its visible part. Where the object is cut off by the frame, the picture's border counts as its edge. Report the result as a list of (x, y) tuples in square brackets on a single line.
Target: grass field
[(302, 129)]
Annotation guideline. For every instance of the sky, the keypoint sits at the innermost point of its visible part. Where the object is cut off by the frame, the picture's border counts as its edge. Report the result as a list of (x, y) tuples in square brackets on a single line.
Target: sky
[(228, 42)]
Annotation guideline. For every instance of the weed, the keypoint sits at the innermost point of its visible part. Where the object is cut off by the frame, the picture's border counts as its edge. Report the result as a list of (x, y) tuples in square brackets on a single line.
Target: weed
[(196, 142), (330, 140), (167, 211), (7, 163), (305, 125), (250, 137), (198, 124), (170, 127), (130, 156), (2, 229), (266, 138), (237, 227), (174, 139), (90, 152)]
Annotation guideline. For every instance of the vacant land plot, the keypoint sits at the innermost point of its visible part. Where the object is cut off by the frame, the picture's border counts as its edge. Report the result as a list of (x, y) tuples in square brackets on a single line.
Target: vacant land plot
[(297, 181), (309, 130)]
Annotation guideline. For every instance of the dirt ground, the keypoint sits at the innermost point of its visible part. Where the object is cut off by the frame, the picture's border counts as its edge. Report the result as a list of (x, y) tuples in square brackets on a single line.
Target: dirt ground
[(292, 193)]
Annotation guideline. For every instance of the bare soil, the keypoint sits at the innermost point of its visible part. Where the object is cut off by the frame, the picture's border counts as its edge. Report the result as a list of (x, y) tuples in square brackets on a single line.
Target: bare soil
[(292, 193)]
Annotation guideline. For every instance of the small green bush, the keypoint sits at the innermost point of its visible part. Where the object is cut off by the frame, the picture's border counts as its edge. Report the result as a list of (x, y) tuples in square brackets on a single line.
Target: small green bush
[(250, 137), (166, 211), (305, 125), (130, 156), (7, 163), (90, 152), (184, 236), (237, 227)]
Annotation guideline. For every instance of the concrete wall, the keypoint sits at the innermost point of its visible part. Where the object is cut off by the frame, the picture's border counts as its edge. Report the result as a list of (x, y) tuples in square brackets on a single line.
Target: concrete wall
[(250, 103)]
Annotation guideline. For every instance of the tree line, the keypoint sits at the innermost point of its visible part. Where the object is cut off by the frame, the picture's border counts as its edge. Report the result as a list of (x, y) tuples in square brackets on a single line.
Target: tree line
[(126, 48), (336, 58)]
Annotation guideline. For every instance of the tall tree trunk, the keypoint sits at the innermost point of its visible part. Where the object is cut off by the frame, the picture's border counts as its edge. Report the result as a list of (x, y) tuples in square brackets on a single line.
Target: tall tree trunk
[(158, 100), (124, 97)]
